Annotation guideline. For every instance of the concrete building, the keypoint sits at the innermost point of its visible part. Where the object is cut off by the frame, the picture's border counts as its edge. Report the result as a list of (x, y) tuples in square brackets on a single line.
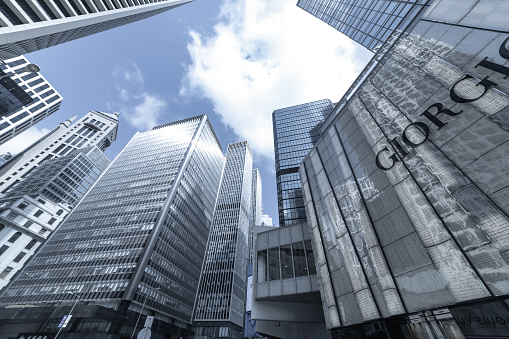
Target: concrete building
[(30, 25), (285, 300), (370, 23), (25, 98), (134, 244), (295, 133), (36, 206), (220, 303), (407, 190), (94, 129)]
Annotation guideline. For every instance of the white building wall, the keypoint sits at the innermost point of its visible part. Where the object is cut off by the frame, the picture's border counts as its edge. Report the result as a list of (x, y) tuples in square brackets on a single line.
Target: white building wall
[(46, 100), (24, 229), (61, 141), (20, 34)]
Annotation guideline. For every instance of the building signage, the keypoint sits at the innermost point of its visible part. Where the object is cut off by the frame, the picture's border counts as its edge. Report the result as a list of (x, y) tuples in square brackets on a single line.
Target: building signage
[(438, 108)]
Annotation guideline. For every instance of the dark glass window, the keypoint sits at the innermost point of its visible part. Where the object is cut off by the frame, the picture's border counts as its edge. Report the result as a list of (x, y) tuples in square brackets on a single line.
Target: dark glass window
[(7, 11), (19, 257), (299, 259), (52, 221), (310, 257), (31, 244), (14, 237), (3, 249), (286, 261), (22, 206), (262, 265), (274, 264), (38, 213)]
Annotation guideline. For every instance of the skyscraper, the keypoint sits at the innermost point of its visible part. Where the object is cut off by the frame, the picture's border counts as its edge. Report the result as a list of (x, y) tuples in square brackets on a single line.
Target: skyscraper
[(219, 310), (295, 133), (256, 208), (35, 207), (30, 25), (370, 23), (136, 241), (407, 192), (25, 98), (94, 129)]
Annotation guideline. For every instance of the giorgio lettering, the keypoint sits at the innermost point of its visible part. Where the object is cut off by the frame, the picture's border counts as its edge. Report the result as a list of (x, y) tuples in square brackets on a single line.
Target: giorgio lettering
[(433, 118)]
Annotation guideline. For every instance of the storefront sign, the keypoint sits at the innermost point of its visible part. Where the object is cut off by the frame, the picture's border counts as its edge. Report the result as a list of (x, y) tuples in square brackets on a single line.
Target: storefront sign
[(438, 108)]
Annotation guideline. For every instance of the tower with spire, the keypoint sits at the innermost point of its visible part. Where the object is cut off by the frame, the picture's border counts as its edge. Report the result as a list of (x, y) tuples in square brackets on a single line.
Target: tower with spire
[(94, 129)]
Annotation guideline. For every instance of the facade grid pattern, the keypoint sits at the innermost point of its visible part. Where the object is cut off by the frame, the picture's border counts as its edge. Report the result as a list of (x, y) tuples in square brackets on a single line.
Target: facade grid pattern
[(296, 130), (140, 234), (368, 22), (221, 295)]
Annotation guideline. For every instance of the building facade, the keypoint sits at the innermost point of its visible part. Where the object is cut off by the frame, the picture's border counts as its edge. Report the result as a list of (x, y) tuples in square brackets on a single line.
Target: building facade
[(94, 129), (256, 208), (369, 23), (30, 25), (25, 98), (220, 303), (285, 301), (135, 243), (295, 133), (36, 206), (407, 191)]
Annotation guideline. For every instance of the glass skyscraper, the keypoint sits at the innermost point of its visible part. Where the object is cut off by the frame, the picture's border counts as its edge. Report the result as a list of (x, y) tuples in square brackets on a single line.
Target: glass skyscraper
[(407, 191), (137, 240), (31, 25), (34, 208), (368, 22), (221, 296), (295, 133)]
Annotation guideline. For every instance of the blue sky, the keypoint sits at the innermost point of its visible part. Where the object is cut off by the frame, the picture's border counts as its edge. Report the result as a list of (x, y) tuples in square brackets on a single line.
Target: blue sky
[(234, 60)]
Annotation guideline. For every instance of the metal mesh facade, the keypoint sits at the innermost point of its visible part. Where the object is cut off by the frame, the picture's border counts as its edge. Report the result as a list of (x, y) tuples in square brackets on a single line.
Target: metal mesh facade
[(30, 25), (368, 22), (295, 133), (407, 191), (221, 295), (140, 233)]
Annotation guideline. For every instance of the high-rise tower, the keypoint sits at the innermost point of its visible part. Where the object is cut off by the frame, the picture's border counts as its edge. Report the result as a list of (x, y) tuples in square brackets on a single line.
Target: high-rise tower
[(136, 241), (25, 98), (94, 129), (30, 25), (295, 133), (34, 208), (370, 23), (219, 310)]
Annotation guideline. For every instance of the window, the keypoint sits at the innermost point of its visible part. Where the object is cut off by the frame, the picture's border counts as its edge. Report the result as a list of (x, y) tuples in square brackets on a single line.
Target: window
[(11, 216), (41, 201), (38, 213), (31, 244), (2, 226), (42, 231), (23, 205), (19, 257), (51, 221), (28, 223), (6, 272), (14, 237), (3, 249), (60, 212)]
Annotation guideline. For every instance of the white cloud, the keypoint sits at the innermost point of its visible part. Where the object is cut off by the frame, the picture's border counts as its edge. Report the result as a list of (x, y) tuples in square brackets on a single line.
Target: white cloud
[(141, 109), (265, 55), (145, 115), (23, 140), (130, 73)]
